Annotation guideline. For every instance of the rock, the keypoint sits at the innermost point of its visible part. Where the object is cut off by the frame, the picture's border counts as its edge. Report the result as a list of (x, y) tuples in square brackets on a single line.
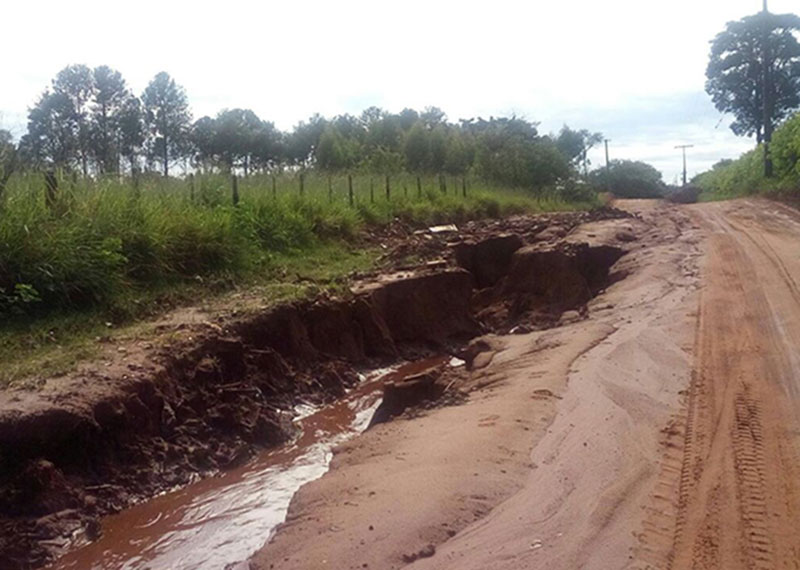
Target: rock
[(426, 552), (409, 392), (568, 317), (482, 360)]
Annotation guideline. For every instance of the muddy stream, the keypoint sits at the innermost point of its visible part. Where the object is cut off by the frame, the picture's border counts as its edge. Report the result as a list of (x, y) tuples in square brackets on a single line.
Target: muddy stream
[(220, 521)]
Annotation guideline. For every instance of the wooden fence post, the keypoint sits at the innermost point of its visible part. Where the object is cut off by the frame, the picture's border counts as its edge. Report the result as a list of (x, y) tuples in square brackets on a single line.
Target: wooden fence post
[(419, 187), (51, 189), (235, 185), (464, 186), (274, 188), (135, 177), (350, 188), (330, 189), (302, 183), (388, 189), (191, 188), (371, 190)]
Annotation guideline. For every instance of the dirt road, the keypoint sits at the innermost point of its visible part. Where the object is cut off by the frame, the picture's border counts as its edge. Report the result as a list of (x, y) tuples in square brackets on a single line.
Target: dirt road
[(637, 407), (738, 503), (660, 432)]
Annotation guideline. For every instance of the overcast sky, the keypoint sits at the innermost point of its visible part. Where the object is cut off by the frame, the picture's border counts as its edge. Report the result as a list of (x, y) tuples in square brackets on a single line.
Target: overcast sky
[(633, 69)]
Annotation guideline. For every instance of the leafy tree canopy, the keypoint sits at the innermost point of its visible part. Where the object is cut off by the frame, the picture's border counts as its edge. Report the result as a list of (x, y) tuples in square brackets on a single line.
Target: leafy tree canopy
[(630, 179), (736, 69)]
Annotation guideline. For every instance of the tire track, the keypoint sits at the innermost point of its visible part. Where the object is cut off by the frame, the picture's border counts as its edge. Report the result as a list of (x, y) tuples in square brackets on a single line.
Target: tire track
[(750, 466), (733, 499)]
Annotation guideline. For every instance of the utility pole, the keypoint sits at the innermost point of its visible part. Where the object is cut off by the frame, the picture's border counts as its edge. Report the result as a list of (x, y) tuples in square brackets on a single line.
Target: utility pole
[(608, 166), (683, 147)]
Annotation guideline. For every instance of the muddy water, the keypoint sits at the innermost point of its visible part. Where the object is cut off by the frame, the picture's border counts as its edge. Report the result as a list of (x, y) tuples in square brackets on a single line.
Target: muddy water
[(220, 521)]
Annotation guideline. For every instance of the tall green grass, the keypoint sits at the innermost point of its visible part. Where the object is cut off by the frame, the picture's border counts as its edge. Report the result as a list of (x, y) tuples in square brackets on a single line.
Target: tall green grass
[(103, 239)]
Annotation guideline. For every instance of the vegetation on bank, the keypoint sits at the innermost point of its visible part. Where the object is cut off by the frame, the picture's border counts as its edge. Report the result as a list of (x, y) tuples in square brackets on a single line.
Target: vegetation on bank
[(99, 240), (745, 175), (104, 252)]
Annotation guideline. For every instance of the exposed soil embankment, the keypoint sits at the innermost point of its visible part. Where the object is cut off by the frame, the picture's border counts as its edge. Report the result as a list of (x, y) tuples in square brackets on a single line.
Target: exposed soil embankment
[(548, 460), (211, 394)]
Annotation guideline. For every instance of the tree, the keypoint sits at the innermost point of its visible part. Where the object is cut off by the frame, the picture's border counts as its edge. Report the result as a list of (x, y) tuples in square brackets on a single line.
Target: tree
[(407, 118), (168, 119), (111, 96), (460, 153), (268, 147), (235, 134), (510, 151), (52, 137), (575, 145), (8, 158), (204, 141), (630, 179), (417, 147), (132, 134), (433, 116), (303, 141), (75, 85), (754, 74)]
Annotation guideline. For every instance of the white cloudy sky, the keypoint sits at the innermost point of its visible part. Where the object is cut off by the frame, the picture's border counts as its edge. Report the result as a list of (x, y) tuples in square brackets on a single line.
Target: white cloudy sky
[(633, 69)]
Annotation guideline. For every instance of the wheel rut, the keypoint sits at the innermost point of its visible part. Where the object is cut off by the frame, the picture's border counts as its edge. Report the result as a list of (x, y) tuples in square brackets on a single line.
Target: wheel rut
[(728, 492)]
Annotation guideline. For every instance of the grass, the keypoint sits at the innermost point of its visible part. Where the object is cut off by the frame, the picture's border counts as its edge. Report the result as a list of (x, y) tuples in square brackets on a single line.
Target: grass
[(108, 252), (52, 345)]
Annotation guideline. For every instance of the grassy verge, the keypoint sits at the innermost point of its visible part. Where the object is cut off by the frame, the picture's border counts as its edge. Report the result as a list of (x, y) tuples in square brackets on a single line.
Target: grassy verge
[(103, 254), (53, 344)]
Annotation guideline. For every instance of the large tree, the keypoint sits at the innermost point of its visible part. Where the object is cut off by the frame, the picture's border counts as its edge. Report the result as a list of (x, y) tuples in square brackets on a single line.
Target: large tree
[(630, 179), (168, 119), (52, 137), (132, 133), (575, 145), (754, 74), (236, 133), (111, 96), (75, 83)]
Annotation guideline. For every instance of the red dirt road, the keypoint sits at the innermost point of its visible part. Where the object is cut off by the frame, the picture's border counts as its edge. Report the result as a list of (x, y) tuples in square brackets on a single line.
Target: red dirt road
[(738, 504), (661, 432)]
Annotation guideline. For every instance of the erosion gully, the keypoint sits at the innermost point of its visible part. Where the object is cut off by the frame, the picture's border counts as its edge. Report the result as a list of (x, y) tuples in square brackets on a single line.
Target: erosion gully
[(220, 521), (207, 391)]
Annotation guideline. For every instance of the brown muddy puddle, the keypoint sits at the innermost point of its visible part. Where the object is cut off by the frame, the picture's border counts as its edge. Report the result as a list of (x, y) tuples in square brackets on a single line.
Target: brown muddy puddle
[(218, 522)]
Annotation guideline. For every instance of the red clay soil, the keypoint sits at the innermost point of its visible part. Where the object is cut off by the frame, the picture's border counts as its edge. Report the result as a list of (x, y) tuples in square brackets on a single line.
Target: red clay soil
[(204, 393), (656, 428)]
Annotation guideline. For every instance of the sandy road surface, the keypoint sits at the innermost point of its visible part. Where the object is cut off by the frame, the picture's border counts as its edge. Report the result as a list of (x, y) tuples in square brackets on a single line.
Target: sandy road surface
[(661, 432), (738, 500)]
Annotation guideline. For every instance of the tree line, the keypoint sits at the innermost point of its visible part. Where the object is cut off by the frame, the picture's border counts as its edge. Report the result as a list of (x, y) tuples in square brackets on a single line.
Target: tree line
[(90, 122)]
